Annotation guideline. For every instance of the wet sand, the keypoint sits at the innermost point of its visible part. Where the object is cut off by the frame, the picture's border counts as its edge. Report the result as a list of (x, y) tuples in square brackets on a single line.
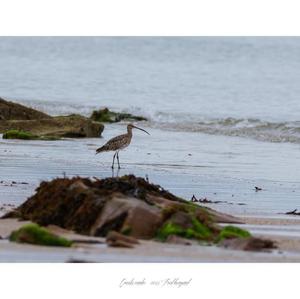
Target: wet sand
[(24, 164)]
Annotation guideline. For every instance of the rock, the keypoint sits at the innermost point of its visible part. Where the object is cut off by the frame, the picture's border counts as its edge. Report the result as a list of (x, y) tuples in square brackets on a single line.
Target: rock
[(20, 122), (181, 219), (128, 216), (128, 205), (34, 234), (73, 237), (143, 221), (105, 115), (115, 239), (14, 111), (186, 225), (72, 126), (223, 218), (248, 244)]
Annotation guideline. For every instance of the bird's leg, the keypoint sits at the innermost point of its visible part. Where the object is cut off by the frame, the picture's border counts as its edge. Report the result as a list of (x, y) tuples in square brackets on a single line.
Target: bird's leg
[(118, 160), (113, 163)]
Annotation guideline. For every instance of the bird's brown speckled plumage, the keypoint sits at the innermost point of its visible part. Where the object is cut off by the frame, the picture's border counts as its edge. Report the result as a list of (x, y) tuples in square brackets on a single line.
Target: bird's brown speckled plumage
[(116, 143)]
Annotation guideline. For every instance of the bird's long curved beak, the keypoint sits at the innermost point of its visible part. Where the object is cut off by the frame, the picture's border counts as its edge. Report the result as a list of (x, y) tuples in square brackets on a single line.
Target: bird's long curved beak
[(141, 129)]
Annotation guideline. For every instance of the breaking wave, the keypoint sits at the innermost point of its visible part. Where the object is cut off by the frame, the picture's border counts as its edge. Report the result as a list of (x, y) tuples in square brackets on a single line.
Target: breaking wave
[(250, 128), (286, 131)]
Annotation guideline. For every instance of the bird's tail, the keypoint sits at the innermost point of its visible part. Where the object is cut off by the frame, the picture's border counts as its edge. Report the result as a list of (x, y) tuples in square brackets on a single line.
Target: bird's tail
[(101, 149)]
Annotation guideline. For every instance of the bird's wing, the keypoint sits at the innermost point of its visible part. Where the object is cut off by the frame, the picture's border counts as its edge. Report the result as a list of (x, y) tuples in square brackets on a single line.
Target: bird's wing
[(113, 144)]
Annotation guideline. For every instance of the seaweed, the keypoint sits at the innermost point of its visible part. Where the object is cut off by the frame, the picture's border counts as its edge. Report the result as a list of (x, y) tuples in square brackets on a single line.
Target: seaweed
[(19, 134), (197, 231), (231, 232), (107, 116), (34, 234)]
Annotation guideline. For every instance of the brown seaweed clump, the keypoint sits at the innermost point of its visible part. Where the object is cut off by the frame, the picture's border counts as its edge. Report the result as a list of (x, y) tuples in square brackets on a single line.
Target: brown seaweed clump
[(128, 205), (107, 116)]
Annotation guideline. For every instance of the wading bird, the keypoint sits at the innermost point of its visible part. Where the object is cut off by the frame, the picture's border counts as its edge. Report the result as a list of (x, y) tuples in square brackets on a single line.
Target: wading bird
[(118, 143)]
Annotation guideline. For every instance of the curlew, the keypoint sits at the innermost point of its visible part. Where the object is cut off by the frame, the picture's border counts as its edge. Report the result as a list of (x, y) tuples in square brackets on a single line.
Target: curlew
[(118, 143)]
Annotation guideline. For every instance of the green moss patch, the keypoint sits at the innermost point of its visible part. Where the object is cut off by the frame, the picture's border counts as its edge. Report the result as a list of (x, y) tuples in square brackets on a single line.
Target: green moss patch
[(197, 231), (19, 134), (107, 116), (231, 232), (16, 134), (35, 234)]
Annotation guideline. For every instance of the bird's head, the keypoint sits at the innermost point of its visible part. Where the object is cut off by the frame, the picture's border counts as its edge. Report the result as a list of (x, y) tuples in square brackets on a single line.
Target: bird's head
[(131, 126)]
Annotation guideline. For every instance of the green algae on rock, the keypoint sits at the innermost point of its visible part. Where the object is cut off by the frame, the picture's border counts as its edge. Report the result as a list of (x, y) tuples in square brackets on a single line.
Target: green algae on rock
[(34, 234), (107, 116), (231, 232), (18, 134), (71, 126), (186, 225)]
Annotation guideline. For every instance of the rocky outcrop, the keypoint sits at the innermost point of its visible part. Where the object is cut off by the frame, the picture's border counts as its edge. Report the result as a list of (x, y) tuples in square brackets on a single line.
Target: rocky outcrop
[(20, 122), (127, 205), (72, 126), (14, 111)]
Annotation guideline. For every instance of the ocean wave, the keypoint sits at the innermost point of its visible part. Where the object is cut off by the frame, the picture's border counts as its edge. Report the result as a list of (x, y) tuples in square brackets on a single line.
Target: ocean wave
[(255, 128), (250, 128)]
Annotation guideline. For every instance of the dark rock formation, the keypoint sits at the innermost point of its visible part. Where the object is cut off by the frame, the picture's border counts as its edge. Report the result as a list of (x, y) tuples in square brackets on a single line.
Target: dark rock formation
[(72, 126), (14, 111), (20, 122)]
